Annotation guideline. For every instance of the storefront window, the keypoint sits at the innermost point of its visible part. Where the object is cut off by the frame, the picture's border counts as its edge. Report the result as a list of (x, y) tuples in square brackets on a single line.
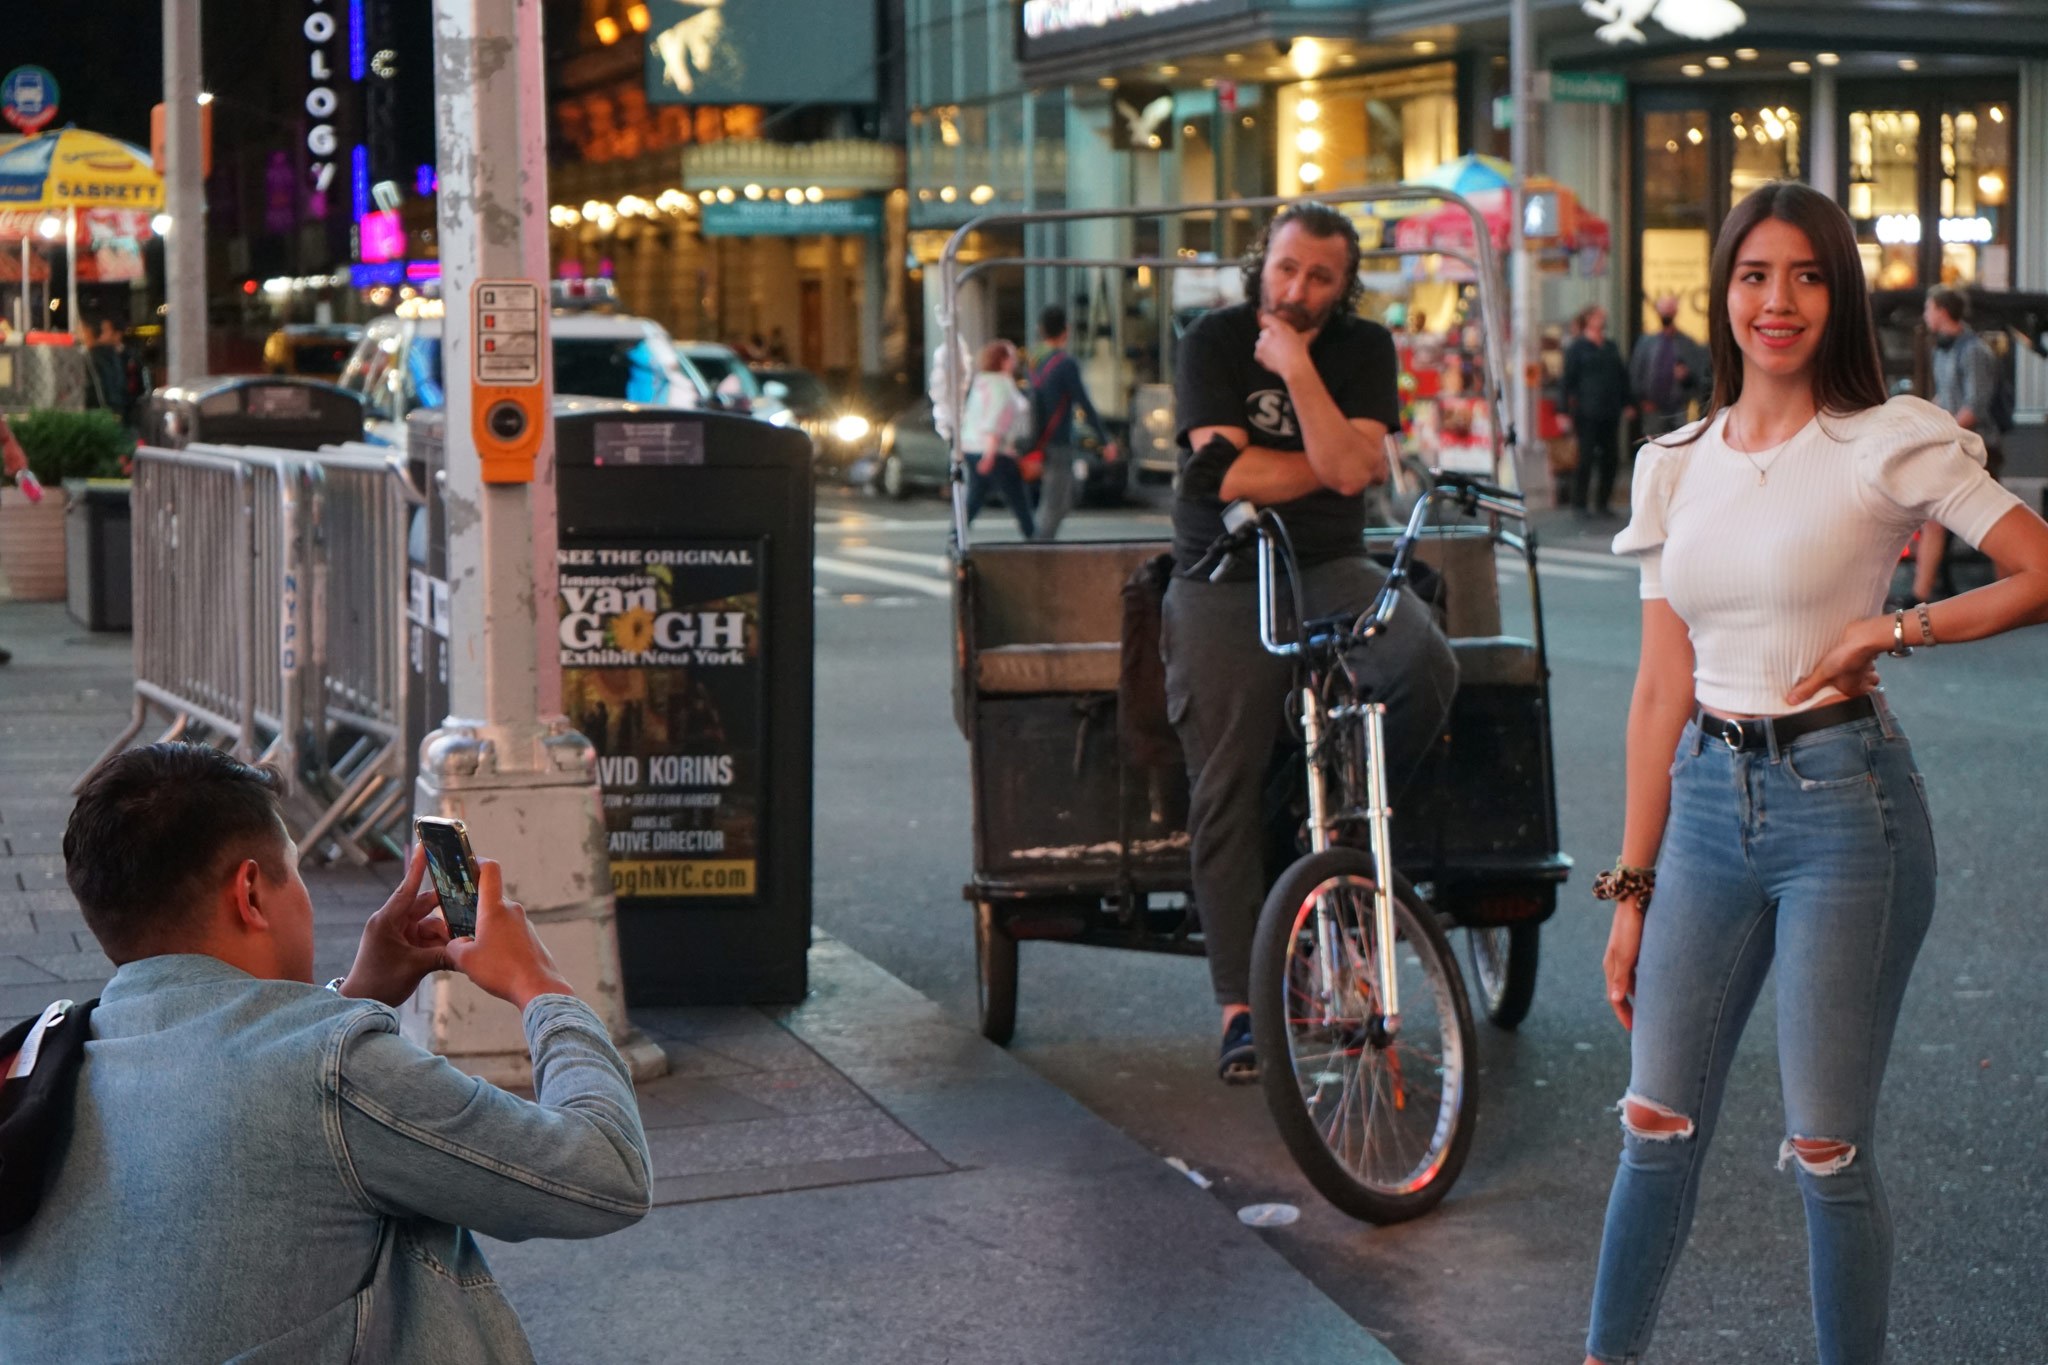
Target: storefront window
[(1370, 131), (1766, 148), (1678, 214), (1884, 194), (1976, 195)]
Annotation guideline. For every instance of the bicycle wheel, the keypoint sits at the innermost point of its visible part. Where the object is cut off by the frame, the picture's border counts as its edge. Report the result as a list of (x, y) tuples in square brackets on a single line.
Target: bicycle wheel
[(1380, 1127), (1504, 970)]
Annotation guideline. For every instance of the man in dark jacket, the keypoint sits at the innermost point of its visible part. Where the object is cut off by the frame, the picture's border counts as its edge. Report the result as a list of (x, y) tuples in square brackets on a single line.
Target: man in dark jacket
[(1596, 397), (1057, 391), (1668, 371)]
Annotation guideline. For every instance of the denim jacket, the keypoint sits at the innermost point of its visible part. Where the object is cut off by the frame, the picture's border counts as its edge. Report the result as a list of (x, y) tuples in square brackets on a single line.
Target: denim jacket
[(263, 1171)]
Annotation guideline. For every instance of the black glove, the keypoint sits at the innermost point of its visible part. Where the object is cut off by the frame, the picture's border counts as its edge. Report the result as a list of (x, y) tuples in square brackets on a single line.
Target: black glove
[(1201, 473)]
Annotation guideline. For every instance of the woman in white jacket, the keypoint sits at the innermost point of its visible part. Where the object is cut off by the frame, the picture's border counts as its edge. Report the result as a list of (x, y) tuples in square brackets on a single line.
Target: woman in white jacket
[(997, 414)]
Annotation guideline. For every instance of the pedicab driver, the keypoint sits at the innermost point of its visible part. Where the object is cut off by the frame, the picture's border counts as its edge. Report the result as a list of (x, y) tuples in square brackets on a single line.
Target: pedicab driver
[(1284, 401)]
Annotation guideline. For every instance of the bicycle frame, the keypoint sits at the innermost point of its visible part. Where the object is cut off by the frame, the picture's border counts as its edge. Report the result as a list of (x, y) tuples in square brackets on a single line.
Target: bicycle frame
[(1313, 653)]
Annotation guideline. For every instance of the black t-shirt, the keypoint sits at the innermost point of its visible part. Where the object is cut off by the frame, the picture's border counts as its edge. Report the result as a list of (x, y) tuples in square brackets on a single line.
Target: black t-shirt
[(1219, 384)]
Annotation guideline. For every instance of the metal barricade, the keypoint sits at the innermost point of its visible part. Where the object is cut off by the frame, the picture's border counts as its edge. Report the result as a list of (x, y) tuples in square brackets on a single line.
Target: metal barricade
[(269, 620)]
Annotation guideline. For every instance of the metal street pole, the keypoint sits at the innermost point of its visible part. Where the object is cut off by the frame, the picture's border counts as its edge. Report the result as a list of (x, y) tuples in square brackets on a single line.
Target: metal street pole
[(518, 776), (1521, 267), (184, 198)]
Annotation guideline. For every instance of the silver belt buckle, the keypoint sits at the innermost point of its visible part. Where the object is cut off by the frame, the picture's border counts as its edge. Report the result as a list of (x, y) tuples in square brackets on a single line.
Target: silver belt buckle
[(1734, 736)]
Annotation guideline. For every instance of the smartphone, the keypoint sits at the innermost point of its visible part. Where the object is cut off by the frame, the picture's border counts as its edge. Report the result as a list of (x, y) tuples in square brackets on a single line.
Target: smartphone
[(453, 868)]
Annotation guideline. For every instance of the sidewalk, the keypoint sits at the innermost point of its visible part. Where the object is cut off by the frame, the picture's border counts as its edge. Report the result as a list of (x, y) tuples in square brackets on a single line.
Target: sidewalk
[(858, 1178)]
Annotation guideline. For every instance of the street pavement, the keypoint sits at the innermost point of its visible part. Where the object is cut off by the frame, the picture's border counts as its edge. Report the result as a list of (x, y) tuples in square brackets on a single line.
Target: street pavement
[(857, 1179), (1501, 1273)]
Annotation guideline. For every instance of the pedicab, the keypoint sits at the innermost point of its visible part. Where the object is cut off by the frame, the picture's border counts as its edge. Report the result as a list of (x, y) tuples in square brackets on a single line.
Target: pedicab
[(1366, 1042)]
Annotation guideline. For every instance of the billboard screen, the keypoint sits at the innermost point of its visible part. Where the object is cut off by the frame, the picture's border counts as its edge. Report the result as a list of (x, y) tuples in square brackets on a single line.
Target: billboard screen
[(761, 51)]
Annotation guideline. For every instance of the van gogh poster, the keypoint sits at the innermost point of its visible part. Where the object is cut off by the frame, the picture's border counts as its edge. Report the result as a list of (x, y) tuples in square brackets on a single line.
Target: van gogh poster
[(662, 670)]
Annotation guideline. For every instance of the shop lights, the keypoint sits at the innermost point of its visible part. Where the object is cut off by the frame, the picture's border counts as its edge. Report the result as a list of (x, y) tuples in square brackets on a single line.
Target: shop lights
[(947, 194), (706, 196), (1169, 71), (982, 194), (1998, 113), (1692, 69), (161, 224), (607, 30), (672, 201), (1799, 68), (1309, 140), (637, 18), (1695, 136), (753, 191), (1991, 187), (49, 227), (1308, 111), (792, 196), (1310, 173), (1909, 64), (562, 216), (1745, 54), (1306, 57), (725, 194), (813, 194), (1718, 62), (1425, 46), (1828, 58)]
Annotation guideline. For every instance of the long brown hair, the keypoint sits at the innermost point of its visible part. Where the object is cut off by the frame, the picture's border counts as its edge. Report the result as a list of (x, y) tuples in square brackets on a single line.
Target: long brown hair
[(1848, 373)]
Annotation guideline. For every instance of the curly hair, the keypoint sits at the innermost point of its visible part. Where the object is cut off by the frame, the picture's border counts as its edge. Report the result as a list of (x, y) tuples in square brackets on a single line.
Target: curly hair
[(1317, 220)]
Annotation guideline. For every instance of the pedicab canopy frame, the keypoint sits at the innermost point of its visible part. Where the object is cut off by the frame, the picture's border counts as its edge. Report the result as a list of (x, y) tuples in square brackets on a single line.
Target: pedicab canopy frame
[(1483, 261)]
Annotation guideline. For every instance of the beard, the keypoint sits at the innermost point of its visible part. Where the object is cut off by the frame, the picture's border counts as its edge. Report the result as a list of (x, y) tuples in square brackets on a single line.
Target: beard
[(1294, 315)]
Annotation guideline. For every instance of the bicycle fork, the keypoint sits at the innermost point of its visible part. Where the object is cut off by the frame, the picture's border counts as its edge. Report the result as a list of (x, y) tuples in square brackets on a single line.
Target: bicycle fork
[(1379, 819)]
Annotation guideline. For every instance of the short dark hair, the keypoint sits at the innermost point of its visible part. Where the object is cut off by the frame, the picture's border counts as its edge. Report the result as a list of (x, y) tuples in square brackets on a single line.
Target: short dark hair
[(1317, 220), (153, 827), (1052, 322), (1848, 373), (1953, 302)]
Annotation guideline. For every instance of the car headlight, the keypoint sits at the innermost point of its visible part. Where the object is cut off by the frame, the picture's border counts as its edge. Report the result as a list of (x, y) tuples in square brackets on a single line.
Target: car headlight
[(851, 428)]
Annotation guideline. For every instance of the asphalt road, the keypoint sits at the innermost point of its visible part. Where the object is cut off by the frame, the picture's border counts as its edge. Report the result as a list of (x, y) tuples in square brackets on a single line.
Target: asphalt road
[(1501, 1273)]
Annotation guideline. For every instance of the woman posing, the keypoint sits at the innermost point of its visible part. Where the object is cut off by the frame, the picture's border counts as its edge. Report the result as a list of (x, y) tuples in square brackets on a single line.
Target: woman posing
[(1774, 809)]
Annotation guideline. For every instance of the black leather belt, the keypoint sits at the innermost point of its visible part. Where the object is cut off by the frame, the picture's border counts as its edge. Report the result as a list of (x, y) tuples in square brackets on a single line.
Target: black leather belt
[(1745, 736)]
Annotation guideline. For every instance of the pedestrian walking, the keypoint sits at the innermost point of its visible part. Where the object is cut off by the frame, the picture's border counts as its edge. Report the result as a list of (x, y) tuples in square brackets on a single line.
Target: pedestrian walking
[(1597, 398), (1057, 393), (1966, 386), (1668, 372), (996, 413), (1774, 810)]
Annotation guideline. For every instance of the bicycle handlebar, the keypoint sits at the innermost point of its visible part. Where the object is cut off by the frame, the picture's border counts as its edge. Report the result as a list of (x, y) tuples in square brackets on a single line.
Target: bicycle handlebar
[(1244, 523)]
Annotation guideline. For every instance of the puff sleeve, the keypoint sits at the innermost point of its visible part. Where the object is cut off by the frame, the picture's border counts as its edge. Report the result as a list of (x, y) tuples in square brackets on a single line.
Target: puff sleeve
[(1649, 503), (1916, 464)]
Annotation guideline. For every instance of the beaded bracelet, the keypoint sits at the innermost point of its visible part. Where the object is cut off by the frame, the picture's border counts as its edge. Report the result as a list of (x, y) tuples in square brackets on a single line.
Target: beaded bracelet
[(1623, 882)]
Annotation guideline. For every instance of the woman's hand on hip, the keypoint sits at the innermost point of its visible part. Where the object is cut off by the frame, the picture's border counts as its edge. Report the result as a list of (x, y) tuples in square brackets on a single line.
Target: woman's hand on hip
[(1850, 667), (1624, 946)]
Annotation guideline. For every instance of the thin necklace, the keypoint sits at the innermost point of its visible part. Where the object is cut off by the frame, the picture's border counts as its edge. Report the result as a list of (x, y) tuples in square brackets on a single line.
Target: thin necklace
[(1763, 471)]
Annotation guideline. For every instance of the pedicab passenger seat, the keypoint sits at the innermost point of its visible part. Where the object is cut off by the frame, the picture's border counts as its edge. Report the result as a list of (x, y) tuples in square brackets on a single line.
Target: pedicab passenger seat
[(1048, 619)]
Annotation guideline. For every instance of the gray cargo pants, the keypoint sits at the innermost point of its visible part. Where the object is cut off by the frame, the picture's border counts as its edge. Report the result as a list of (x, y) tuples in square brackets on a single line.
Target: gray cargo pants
[(1227, 699)]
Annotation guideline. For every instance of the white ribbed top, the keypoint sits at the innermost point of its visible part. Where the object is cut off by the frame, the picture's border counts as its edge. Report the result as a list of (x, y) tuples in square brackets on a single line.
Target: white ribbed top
[(1768, 576)]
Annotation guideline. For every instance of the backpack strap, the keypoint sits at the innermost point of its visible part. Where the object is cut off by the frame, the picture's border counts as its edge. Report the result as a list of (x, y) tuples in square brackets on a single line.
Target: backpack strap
[(35, 1102)]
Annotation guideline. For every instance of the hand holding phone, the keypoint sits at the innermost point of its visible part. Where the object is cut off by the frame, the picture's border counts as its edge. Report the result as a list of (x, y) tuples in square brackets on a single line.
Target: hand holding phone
[(453, 868)]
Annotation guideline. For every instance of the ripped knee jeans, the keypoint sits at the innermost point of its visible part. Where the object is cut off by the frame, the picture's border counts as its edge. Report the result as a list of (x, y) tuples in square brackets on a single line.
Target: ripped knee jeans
[(1819, 857)]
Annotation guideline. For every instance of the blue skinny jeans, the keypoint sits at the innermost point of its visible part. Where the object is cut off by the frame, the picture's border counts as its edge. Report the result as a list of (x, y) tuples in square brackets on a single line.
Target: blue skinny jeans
[(1821, 856)]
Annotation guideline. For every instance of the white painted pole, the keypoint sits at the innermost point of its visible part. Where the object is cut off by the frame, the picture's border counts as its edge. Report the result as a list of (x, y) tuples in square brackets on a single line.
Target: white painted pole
[(184, 198), (516, 774), (1530, 463), (71, 267)]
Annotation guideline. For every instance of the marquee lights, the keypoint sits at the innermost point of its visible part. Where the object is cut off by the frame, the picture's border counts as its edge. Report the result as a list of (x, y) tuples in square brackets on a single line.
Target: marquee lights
[(1903, 229)]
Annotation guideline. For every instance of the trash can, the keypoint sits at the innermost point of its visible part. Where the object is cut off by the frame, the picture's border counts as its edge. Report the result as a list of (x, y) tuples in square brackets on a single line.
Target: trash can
[(246, 409), (99, 588), (685, 631)]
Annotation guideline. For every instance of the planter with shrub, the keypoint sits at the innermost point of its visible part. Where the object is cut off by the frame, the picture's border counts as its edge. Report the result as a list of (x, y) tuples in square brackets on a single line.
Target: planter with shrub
[(60, 446)]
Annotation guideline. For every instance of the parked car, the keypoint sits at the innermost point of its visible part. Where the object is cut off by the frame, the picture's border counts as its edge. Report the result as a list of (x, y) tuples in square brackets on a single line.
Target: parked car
[(732, 384), (315, 350), (841, 433), (397, 365)]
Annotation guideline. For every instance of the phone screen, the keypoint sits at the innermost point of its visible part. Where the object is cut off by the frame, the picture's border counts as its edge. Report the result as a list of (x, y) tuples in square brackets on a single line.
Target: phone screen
[(453, 868)]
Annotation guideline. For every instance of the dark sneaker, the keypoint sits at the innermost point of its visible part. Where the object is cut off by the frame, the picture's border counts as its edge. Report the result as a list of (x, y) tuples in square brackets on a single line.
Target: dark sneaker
[(1239, 1064)]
